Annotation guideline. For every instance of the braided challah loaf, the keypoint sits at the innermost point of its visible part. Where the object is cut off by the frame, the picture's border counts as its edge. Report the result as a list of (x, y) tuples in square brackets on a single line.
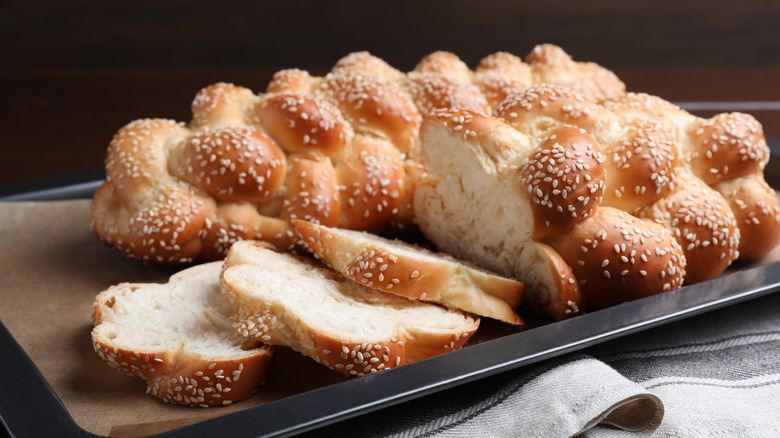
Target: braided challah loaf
[(340, 150), (344, 150)]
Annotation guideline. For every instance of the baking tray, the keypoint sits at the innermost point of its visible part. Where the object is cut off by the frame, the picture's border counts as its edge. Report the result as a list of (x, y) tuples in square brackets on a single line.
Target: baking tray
[(340, 401)]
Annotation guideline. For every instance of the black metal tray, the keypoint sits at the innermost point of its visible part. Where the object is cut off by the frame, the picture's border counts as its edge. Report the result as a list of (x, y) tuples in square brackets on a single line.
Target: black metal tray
[(311, 410)]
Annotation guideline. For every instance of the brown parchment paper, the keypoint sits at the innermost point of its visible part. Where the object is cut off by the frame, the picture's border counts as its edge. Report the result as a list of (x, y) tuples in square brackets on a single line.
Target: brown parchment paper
[(51, 268)]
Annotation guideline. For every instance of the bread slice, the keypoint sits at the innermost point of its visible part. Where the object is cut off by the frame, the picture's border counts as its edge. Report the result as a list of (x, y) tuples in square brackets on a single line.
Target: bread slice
[(178, 337), (407, 270), (288, 300)]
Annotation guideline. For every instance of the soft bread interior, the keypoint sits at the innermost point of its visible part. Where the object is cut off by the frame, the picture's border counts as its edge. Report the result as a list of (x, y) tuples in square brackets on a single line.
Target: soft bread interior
[(297, 302), (188, 315), (478, 173), (305, 293)]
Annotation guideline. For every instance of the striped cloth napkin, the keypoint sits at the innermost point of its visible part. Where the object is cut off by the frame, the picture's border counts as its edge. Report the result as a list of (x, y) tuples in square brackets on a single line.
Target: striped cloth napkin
[(713, 375)]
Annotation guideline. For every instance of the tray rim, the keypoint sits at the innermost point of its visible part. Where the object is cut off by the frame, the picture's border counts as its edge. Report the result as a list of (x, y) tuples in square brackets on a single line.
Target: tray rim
[(310, 410)]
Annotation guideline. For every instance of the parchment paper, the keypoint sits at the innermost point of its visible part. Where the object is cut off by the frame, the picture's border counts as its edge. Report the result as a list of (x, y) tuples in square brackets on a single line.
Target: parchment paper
[(51, 268)]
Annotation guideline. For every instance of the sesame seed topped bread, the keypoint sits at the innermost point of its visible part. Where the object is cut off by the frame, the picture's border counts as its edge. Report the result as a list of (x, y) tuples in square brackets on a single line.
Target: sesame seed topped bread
[(341, 150), (283, 299), (728, 152), (501, 74), (407, 270), (644, 174), (178, 337), (531, 208), (345, 150)]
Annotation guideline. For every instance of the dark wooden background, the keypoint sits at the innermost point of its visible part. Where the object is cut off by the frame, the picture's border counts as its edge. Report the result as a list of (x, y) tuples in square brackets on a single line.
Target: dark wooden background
[(72, 72)]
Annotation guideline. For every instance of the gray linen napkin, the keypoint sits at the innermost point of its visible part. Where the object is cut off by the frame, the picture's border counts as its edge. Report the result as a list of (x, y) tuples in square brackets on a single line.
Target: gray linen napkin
[(713, 375), (718, 374), (562, 401)]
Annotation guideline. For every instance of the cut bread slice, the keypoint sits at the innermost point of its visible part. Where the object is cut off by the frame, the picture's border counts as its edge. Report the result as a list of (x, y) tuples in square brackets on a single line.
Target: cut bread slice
[(413, 272), (288, 300), (178, 337)]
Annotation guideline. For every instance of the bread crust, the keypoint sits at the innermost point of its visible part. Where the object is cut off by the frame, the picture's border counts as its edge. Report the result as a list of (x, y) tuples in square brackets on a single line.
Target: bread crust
[(616, 257), (412, 272), (644, 173), (258, 168), (374, 106), (562, 192), (550, 64), (431, 91), (445, 63), (728, 152), (301, 124)]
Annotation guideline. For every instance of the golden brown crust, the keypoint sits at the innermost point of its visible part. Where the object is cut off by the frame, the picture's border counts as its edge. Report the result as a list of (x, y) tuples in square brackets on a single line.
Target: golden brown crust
[(723, 151), (566, 299), (191, 381), (291, 80), (549, 63), (617, 257), (165, 229), (230, 223), (642, 166), (316, 195), (537, 108), (373, 185), (136, 155), (703, 225), (303, 124), (220, 104), (356, 359), (445, 64), (496, 87), (506, 65), (367, 64), (563, 180), (232, 163), (411, 272), (431, 91), (757, 213), (729, 145), (374, 106)]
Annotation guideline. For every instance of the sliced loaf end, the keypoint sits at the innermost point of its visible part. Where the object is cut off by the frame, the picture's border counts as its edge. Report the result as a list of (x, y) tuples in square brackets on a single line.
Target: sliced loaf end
[(178, 337)]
